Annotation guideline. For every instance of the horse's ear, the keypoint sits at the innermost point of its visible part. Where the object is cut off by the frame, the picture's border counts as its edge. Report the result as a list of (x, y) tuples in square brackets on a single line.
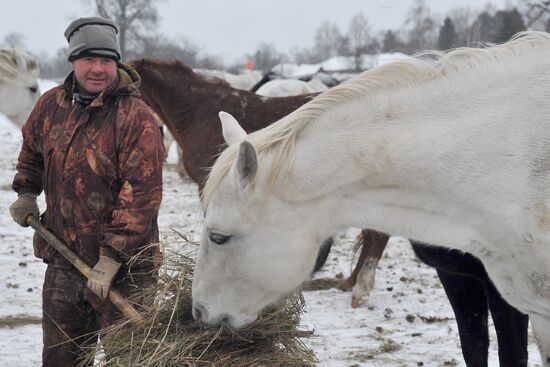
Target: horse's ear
[(32, 64), (247, 163), (233, 133)]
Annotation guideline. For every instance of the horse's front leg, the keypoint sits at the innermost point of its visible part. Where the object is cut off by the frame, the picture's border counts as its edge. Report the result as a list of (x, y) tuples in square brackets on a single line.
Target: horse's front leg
[(361, 280), (511, 326), (541, 330), (467, 297)]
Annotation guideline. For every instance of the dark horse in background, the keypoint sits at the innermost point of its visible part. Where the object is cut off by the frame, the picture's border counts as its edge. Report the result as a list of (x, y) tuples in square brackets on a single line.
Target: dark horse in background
[(471, 294), (189, 104)]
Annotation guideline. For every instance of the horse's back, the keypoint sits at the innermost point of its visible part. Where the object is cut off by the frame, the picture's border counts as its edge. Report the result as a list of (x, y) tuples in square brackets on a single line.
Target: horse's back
[(286, 87)]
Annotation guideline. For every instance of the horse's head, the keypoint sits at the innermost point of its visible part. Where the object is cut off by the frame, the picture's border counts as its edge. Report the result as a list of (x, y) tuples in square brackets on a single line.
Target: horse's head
[(248, 257), (19, 89)]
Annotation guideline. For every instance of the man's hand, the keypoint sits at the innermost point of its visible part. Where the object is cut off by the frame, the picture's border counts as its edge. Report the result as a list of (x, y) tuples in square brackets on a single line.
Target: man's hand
[(24, 206), (102, 276)]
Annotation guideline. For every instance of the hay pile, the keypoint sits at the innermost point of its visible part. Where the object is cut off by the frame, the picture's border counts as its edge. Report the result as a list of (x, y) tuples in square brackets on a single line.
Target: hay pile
[(170, 337)]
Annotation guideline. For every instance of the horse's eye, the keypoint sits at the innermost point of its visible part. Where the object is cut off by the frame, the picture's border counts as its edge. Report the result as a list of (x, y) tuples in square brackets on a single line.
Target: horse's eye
[(218, 238), (33, 89)]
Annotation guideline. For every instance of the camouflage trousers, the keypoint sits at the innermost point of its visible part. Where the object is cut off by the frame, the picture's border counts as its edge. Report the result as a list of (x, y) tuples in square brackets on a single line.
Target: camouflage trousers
[(73, 315)]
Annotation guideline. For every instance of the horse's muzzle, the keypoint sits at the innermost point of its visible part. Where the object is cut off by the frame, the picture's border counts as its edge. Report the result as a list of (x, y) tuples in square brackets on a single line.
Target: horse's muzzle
[(201, 313)]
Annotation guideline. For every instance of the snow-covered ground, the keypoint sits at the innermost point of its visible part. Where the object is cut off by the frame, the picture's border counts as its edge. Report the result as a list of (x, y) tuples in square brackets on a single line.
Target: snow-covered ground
[(387, 331)]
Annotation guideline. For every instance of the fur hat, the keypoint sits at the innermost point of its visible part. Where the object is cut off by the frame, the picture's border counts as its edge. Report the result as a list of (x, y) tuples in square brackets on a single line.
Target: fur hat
[(92, 36)]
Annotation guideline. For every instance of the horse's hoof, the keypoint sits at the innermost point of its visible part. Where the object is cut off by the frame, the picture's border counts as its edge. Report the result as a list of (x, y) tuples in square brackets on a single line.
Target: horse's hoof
[(358, 301)]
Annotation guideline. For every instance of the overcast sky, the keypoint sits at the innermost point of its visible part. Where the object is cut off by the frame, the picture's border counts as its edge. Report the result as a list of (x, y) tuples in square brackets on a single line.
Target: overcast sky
[(228, 28)]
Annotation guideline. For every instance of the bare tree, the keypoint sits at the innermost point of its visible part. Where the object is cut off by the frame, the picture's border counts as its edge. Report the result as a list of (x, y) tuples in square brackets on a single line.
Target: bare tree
[(137, 20), (181, 48), (161, 47), (463, 19), (483, 29), (15, 40), (392, 43), (56, 67), (329, 42), (302, 55), (536, 13), (447, 35), (422, 29), (360, 39), (507, 23), (265, 57)]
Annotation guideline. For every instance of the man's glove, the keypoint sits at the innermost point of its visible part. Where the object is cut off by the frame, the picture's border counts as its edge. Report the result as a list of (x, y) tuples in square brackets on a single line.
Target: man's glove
[(24, 206), (102, 276)]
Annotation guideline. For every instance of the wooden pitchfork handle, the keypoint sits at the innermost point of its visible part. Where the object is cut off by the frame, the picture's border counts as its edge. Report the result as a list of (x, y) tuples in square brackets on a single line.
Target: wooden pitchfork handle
[(122, 303)]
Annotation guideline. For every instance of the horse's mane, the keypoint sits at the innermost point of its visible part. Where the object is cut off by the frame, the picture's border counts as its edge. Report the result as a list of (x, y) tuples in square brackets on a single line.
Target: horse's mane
[(16, 67), (177, 66), (138, 63), (280, 137)]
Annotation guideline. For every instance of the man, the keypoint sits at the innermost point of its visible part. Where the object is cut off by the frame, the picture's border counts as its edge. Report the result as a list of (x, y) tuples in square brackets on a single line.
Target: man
[(94, 147)]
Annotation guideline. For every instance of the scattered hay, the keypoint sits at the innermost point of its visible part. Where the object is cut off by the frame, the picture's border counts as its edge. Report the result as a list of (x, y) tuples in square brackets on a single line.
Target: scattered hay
[(321, 284), (389, 346), (169, 336), (433, 319), (19, 320)]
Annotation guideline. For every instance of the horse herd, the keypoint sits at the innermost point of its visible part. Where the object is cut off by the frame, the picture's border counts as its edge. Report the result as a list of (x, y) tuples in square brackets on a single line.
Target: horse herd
[(268, 175)]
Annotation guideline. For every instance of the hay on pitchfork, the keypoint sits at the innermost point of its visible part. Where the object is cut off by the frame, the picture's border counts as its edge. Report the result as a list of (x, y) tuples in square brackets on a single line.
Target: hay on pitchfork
[(169, 336)]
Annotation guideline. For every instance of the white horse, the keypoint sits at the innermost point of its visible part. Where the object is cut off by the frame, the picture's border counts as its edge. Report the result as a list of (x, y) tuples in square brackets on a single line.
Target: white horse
[(245, 80), (19, 89), (453, 151), (290, 87)]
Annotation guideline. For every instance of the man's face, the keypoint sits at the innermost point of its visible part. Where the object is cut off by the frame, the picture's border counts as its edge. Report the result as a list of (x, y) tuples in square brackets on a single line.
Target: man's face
[(94, 74)]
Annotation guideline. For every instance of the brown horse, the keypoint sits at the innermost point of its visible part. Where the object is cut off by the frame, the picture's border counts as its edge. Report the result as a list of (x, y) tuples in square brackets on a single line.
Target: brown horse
[(189, 105)]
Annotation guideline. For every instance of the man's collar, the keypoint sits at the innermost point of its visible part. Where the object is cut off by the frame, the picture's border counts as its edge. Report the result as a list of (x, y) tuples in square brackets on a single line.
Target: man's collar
[(79, 95)]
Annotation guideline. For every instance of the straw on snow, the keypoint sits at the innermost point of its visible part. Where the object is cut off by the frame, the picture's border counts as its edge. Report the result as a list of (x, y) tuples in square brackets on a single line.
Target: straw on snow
[(169, 336)]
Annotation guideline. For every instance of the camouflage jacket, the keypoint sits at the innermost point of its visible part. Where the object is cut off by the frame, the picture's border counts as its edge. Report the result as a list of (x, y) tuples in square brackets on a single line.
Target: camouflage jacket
[(100, 166)]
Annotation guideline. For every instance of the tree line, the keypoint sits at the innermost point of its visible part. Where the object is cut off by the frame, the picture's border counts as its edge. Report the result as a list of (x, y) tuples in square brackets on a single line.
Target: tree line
[(421, 30)]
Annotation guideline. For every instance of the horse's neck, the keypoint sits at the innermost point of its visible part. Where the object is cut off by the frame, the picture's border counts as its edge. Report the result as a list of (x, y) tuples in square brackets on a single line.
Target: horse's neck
[(188, 91), (170, 94), (414, 162)]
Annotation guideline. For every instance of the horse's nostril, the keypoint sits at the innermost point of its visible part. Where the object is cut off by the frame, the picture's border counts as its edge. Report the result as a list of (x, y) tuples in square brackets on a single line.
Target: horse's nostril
[(199, 312)]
